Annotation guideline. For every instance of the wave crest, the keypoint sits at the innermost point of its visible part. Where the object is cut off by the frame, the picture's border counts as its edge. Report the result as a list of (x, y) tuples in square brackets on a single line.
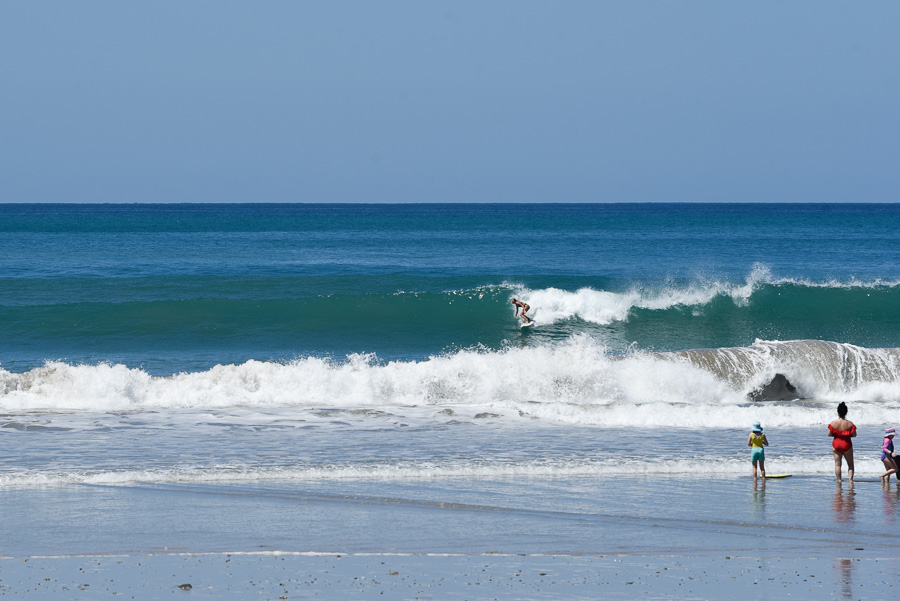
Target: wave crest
[(577, 380), (605, 307)]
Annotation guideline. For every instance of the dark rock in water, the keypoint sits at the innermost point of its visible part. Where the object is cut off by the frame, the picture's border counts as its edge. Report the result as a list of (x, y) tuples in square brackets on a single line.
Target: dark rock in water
[(185, 587), (779, 389)]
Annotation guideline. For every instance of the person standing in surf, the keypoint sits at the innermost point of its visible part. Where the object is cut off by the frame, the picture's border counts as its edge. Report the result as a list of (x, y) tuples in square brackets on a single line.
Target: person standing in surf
[(757, 441), (524, 307), (842, 430), (888, 457)]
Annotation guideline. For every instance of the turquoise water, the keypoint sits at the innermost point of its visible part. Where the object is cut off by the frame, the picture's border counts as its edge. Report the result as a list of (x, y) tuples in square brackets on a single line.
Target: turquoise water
[(185, 287), (207, 343)]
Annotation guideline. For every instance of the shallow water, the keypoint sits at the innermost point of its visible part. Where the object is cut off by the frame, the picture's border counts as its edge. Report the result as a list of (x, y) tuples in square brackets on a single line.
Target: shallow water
[(572, 515)]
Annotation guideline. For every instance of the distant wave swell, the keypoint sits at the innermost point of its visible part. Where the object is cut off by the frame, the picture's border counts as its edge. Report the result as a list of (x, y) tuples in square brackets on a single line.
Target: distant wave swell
[(664, 316), (759, 298)]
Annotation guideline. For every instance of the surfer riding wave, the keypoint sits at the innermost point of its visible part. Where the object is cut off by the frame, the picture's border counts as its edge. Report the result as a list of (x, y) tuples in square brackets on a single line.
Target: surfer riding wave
[(524, 308)]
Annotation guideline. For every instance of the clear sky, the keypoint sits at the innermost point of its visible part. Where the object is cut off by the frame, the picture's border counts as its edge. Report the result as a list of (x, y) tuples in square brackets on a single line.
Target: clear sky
[(429, 101)]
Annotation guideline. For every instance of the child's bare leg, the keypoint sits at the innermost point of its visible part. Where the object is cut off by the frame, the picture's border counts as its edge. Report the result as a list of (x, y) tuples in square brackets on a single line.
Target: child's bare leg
[(762, 468), (754, 470), (849, 456), (837, 465), (890, 467)]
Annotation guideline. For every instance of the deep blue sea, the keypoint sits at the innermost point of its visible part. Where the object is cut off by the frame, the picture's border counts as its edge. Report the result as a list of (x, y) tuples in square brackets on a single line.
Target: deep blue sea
[(297, 341)]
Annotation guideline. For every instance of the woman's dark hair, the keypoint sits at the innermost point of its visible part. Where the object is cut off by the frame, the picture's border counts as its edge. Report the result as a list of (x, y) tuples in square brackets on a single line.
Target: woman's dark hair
[(842, 410)]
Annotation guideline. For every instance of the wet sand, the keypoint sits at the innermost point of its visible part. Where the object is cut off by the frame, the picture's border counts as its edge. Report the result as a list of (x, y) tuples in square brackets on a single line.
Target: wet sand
[(377, 576), (570, 538)]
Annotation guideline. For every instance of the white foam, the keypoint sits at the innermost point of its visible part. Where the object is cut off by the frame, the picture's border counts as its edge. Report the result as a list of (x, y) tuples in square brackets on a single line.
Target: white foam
[(576, 371), (603, 307), (692, 467), (575, 381)]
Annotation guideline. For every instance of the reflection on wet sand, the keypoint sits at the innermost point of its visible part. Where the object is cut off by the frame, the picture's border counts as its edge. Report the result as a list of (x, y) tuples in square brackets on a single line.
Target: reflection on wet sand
[(890, 502), (758, 497), (844, 504), (844, 574)]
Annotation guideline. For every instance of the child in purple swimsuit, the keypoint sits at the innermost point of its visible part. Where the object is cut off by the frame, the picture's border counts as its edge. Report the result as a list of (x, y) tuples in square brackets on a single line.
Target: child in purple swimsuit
[(887, 456)]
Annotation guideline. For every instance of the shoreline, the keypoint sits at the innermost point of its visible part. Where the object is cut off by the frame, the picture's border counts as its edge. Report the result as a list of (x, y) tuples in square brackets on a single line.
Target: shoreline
[(526, 539)]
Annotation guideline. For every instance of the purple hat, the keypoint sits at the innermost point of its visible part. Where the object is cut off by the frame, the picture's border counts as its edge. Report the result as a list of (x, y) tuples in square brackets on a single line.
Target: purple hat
[(889, 432)]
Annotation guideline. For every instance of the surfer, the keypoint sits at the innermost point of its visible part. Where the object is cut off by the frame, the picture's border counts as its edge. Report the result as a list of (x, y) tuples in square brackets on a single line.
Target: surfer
[(888, 457), (842, 430), (757, 440), (524, 307)]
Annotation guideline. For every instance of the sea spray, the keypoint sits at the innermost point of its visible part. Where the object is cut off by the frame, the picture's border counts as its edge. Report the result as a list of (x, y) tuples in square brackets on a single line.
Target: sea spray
[(571, 380), (605, 307)]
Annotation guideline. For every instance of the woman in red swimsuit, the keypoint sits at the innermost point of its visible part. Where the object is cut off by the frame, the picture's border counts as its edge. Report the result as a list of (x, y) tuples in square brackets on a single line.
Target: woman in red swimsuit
[(842, 430)]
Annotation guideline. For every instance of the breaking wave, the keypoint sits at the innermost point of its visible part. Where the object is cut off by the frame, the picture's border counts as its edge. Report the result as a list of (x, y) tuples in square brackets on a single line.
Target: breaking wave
[(576, 381)]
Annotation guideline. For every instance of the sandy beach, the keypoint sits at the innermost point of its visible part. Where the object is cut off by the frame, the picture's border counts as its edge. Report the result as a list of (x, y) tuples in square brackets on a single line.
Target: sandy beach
[(391, 576), (581, 538)]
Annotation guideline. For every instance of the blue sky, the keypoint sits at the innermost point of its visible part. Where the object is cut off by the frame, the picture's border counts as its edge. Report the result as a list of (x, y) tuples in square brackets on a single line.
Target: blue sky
[(506, 101)]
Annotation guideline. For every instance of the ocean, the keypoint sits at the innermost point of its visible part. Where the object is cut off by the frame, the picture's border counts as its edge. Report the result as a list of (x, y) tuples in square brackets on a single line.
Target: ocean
[(337, 348)]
